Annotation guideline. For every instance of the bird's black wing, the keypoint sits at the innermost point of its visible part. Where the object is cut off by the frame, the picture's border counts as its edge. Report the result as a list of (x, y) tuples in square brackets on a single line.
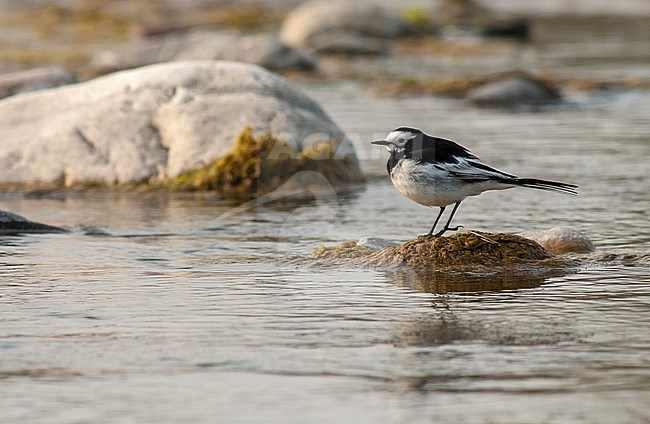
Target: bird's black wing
[(458, 161), (428, 149)]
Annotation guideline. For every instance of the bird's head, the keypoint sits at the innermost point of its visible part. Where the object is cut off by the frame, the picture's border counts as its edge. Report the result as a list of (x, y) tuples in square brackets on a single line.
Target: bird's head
[(397, 139)]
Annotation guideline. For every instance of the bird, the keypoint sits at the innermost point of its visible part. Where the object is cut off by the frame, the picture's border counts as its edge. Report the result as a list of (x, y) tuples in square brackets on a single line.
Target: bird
[(434, 171)]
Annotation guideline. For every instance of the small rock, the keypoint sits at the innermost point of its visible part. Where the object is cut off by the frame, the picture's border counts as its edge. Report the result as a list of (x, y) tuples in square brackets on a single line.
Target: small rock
[(461, 13), (265, 50), (138, 53), (514, 28), (475, 16), (347, 43), (376, 243), (515, 91), (464, 262), (33, 79), (341, 27), (11, 224), (561, 240), (470, 250)]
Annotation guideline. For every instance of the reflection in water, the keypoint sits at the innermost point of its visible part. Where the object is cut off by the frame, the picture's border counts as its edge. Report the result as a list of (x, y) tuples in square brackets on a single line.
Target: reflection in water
[(448, 282), (448, 339), (446, 327)]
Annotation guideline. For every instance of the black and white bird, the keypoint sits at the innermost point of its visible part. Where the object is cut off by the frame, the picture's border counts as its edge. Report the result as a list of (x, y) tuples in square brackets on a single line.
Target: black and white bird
[(438, 172)]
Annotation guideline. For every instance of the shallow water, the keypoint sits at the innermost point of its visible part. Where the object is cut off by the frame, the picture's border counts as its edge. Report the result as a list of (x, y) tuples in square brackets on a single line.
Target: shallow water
[(163, 307), (160, 308)]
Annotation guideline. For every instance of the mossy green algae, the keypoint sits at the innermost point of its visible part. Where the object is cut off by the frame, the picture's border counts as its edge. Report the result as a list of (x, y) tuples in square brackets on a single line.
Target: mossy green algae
[(260, 164)]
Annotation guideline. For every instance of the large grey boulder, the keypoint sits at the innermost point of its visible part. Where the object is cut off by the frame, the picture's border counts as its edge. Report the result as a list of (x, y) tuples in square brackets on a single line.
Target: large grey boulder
[(11, 224), (340, 26), (265, 50), (153, 123), (33, 79)]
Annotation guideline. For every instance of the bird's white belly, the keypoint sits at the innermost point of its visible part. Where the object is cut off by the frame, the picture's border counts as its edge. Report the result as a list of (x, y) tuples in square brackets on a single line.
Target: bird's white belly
[(427, 193), (430, 186)]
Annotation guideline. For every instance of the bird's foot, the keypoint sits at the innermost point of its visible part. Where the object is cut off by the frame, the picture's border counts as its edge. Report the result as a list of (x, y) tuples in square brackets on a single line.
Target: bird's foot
[(444, 230)]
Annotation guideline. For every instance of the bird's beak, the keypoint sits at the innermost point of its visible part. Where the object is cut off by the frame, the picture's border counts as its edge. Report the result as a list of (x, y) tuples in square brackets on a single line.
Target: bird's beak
[(380, 143)]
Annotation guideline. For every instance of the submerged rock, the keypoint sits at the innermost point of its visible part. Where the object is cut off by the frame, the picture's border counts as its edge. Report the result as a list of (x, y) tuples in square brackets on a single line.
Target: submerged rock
[(376, 243), (347, 251), (467, 251), (33, 79), (520, 90), (562, 240), (12, 224), (151, 124), (341, 27)]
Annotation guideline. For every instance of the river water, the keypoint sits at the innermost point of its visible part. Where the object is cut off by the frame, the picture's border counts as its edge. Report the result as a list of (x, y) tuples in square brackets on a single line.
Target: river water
[(171, 307)]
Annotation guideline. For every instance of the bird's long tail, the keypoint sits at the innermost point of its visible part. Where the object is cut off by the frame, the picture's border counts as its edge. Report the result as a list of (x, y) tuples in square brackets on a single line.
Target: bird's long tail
[(545, 185)]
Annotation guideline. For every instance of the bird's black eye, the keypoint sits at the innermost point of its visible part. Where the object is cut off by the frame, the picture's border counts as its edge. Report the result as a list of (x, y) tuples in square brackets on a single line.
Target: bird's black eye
[(401, 140)]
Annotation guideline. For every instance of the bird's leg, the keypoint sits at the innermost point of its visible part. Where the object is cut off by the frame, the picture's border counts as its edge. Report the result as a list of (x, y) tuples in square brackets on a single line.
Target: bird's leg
[(446, 227), (442, 209)]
